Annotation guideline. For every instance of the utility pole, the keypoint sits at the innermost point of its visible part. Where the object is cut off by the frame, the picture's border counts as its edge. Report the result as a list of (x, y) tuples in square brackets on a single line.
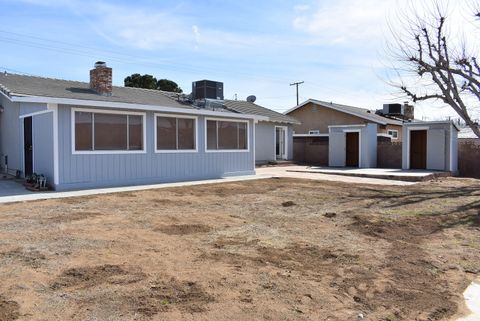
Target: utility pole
[(296, 85)]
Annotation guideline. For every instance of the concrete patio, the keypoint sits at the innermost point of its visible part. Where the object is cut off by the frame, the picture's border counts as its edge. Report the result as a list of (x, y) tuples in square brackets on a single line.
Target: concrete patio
[(410, 175)]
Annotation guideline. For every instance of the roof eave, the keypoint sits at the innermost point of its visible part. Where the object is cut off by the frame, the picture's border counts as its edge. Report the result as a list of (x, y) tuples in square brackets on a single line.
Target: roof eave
[(122, 105)]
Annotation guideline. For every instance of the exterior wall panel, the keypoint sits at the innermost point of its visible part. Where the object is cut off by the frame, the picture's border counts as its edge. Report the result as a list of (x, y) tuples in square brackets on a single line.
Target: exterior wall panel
[(96, 170), (42, 132), (11, 135)]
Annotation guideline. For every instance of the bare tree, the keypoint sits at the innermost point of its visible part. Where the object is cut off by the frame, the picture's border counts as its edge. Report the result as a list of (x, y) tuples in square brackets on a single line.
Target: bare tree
[(443, 69)]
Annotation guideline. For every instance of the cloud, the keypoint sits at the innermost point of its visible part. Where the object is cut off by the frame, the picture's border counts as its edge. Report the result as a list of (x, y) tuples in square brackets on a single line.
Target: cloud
[(343, 21)]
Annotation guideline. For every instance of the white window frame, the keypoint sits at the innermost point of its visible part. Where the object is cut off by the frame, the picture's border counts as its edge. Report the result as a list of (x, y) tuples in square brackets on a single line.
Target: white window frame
[(392, 130), (227, 150), (104, 152), (160, 151)]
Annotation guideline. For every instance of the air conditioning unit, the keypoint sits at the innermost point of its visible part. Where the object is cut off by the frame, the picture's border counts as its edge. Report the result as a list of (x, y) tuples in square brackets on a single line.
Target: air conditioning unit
[(393, 109), (207, 89)]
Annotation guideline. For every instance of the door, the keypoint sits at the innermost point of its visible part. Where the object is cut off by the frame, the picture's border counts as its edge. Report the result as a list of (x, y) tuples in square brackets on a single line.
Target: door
[(280, 143), (352, 149), (28, 145), (418, 149)]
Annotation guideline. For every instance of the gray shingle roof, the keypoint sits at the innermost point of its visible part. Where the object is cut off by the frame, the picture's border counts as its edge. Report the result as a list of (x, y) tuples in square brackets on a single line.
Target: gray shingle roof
[(357, 111), (20, 85), (246, 107)]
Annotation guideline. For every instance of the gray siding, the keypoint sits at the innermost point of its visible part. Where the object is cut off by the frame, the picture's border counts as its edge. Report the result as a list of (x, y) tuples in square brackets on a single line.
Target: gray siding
[(11, 136), (96, 170), (42, 131), (265, 141)]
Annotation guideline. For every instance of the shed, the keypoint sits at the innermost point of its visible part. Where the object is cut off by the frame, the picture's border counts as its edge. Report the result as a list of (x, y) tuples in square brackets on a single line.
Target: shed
[(430, 146), (353, 145)]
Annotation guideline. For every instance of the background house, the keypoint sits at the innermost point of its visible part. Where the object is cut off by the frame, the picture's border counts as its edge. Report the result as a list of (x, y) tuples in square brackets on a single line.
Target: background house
[(311, 137)]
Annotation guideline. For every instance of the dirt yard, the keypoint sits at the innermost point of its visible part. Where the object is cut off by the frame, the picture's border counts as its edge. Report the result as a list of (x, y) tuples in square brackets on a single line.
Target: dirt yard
[(277, 249)]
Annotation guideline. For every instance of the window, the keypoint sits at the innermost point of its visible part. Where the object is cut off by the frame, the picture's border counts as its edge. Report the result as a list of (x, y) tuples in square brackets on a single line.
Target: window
[(227, 135), (393, 133), (314, 132), (175, 133), (103, 131)]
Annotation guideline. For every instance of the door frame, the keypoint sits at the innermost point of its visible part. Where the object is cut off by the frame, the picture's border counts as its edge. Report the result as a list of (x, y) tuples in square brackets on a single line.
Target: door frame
[(409, 129), (23, 144), (359, 131), (285, 139)]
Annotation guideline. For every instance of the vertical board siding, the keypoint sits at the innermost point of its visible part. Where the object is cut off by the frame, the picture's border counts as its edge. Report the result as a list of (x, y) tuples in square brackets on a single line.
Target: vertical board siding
[(42, 132), (91, 170)]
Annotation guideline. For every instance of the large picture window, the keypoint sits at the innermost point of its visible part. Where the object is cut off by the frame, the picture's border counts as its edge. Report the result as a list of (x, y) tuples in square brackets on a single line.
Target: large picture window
[(227, 135), (101, 131), (175, 133)]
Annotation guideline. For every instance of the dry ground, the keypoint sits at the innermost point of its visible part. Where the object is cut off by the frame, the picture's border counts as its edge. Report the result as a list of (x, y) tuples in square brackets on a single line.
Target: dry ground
[(277, 249)]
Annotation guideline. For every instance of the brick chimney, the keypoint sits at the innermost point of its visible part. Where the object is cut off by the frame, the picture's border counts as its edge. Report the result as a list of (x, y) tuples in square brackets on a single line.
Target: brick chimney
[(101, 79)]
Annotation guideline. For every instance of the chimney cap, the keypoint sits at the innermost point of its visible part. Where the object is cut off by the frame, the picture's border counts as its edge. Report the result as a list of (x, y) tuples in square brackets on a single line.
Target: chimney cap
[(100, 64)]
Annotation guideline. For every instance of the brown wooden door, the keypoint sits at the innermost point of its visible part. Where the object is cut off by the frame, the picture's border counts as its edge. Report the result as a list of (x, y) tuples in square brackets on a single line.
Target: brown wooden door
[(352, 148), (418, 149)]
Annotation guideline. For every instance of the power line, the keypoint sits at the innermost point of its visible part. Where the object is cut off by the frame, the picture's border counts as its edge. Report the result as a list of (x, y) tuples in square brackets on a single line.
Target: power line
[(296, 85)]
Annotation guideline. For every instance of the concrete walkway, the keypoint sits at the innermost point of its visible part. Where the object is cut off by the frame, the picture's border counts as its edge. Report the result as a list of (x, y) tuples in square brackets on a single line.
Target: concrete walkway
[(11, 191), (410, 175), (472, 300)]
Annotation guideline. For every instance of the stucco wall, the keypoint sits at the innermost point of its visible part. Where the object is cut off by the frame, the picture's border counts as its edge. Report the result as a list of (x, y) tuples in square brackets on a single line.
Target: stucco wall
[(93, 170), (315, 117), (367, 148), (441, 149)]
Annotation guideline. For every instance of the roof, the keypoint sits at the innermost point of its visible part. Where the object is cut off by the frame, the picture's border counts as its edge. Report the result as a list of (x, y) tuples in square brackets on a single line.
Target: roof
[(20, 85), (246, 107), (355, 111)]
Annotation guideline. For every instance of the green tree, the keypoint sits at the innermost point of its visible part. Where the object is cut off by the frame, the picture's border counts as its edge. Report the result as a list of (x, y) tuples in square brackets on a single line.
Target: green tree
[(141, 81), (168, 85)]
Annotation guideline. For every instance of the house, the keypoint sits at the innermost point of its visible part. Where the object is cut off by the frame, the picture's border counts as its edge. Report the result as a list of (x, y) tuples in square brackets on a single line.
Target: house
[(316, 116), (88, 135), (274, 137), (353, 132)]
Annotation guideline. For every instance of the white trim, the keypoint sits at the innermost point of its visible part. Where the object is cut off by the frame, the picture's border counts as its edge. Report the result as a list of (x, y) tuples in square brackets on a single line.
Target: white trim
[(393, 130), (347, 126), (410, 128), (35, 113), (438, 122), (166, 151), (327, 105), (310, 135), (106, 152), (227, 150), (285, 138), (359, 131), (5, 95), (450, 148), (56, 159), (143, 107)]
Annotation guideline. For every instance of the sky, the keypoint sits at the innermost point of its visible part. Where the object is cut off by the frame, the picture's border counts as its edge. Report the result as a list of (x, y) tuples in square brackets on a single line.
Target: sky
[(337, 47)]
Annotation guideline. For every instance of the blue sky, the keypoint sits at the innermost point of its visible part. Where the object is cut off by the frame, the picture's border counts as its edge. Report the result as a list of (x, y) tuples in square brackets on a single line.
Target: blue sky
[(254, 47)]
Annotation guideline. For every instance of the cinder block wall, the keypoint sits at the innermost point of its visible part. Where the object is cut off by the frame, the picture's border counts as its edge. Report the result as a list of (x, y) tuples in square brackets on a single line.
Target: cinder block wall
[(389, 153), (311, 150), (469, 157)]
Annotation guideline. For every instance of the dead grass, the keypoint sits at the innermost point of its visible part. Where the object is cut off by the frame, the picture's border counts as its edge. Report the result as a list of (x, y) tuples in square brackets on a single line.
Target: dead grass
[(279, 249)]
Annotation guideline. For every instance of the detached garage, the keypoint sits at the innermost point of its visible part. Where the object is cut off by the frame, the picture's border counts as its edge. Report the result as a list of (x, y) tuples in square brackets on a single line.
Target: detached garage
[(353, 146), (430, 146)]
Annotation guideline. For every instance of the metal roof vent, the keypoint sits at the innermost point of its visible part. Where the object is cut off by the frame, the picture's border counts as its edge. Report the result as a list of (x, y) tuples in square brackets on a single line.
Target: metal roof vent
[(100, 64)]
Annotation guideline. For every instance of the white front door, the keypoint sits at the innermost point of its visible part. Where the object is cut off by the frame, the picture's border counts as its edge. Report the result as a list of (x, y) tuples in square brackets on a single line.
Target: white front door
[(281, 143)]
